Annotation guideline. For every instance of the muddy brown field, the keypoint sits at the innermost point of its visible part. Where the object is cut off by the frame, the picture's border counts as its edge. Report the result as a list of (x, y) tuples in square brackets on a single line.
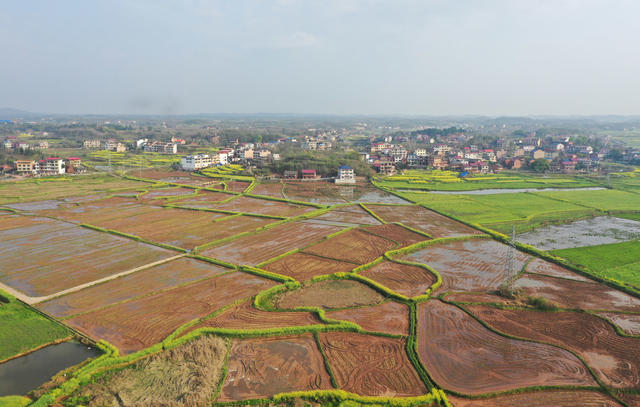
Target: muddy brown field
[(262, 367), (204, 199), (349, 214), (539, 266), (371, 365), (153, 279), (614, 358), (48, 257), (329, 294), (255, 249), (462, 355), (470, 265), (176, 177), (137, 324), (246, 316), (407, 280), (577, 294), (389, 317), (355, 246), (262, 206), (564, 398), (629, 323), (302, 266), (422, 219), (270, 189), (401, 235)]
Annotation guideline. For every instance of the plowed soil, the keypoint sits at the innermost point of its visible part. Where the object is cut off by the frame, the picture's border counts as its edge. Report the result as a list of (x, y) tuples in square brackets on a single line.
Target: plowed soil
[(389, 317), (262, 206), (176, 177), (539, 266), (204, 199), (627, 322), (470, 265), (270, 243), (316, 192), (329, 294), (371, 365), (402, 236), (614, 358), (138, 324), (104, 210), (462, 355), (477, 298), (561, 398), (161, 277), (262, 367), (423, 219), (303, 266), (577, 294), (245, 316), (349, 214), (355, 246), (407, 280), (48, 257), (237, 186), (632, 400)]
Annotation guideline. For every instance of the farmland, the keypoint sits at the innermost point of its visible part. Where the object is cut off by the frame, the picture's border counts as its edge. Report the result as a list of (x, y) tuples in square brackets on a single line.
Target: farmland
[(291, 287)]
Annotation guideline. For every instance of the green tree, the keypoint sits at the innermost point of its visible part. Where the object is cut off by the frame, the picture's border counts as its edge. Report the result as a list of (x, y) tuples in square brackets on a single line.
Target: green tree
[(540, 165)]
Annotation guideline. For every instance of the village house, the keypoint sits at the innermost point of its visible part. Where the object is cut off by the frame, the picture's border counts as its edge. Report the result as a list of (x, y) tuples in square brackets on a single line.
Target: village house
[(195, 162), (309, 174), (345, 175)]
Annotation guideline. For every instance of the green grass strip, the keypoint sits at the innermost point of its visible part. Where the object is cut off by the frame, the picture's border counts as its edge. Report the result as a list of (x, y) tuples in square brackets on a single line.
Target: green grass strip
[(327, 365), (372, 213)]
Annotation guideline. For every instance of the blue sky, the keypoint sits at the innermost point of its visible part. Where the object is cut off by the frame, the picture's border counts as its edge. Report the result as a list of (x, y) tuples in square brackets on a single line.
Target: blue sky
[(431, 57)]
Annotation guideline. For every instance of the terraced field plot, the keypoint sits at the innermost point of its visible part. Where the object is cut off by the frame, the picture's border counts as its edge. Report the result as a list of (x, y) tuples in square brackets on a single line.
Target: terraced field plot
[(161, 277), (389, 317), (614, 358), (410, 281), (52, 256), (255, 249), (263, 367), (470, 265), (204, 199), (269, 189), (371, 365), (463, 356), (355, 246), (262, 206), (349, 214), (137, 324), (423, 219), (329, 294), (577, 294), (302, 266)]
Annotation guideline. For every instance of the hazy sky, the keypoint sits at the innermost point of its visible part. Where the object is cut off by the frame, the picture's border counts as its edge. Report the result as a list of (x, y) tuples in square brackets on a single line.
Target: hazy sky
[(432, 57)]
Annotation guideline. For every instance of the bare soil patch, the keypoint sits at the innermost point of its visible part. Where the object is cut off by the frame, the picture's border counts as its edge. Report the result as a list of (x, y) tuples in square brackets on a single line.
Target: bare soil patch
[(402, 236), (388, 317), (176, 177), (614, 358), (255, 249), (355, 246), (564, 398), (247, 204), (462, 355), (303, 266), (272, 189), (470, 265), (183, 376), (407, 280), (204, 199), (137, 324), (469, 297), (577, 294), (349, 214), (160, 277), (329, 294), (423, 219), (262, 367), (371, 365), (539, 266)]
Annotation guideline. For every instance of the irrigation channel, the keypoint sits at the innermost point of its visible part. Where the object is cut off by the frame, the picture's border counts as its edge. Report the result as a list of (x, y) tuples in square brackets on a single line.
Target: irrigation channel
[(507, 191), (21, 375)]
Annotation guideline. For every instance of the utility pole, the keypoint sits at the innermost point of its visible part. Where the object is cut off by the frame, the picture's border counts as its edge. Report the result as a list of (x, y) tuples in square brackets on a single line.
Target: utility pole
[(509, 260)]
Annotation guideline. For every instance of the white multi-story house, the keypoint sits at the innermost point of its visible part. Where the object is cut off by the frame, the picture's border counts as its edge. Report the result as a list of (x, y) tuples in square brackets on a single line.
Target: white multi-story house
[(195, 162), (87, 144), (52, 166), (345, 175)]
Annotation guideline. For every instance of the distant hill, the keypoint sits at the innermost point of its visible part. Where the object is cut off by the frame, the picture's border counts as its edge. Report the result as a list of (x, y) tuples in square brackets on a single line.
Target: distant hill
[(8, 112)]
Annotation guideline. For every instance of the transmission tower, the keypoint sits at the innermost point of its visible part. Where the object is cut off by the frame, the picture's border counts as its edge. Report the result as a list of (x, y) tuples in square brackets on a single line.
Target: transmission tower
[(509, 260)]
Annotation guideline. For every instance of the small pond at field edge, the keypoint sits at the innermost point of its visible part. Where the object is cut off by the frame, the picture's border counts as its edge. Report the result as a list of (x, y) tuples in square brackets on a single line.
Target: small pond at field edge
[(21, 375)]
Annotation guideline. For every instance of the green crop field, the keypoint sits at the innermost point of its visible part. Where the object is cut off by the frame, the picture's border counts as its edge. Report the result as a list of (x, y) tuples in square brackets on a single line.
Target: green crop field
[(450, 181), (35, 189), (605, 200), (22, 329), (618, 261), (500, 211), (145, 160)]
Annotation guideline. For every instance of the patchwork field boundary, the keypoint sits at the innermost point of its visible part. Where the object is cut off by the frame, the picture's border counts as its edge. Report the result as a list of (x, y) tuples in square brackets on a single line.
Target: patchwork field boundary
[(132, 237), (327, 365)]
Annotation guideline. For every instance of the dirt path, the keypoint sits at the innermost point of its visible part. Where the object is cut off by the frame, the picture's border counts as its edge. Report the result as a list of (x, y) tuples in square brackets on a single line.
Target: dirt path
[(34, 300)]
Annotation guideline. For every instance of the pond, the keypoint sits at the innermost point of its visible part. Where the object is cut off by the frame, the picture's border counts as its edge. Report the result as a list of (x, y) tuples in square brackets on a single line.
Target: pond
[(21, 375)]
